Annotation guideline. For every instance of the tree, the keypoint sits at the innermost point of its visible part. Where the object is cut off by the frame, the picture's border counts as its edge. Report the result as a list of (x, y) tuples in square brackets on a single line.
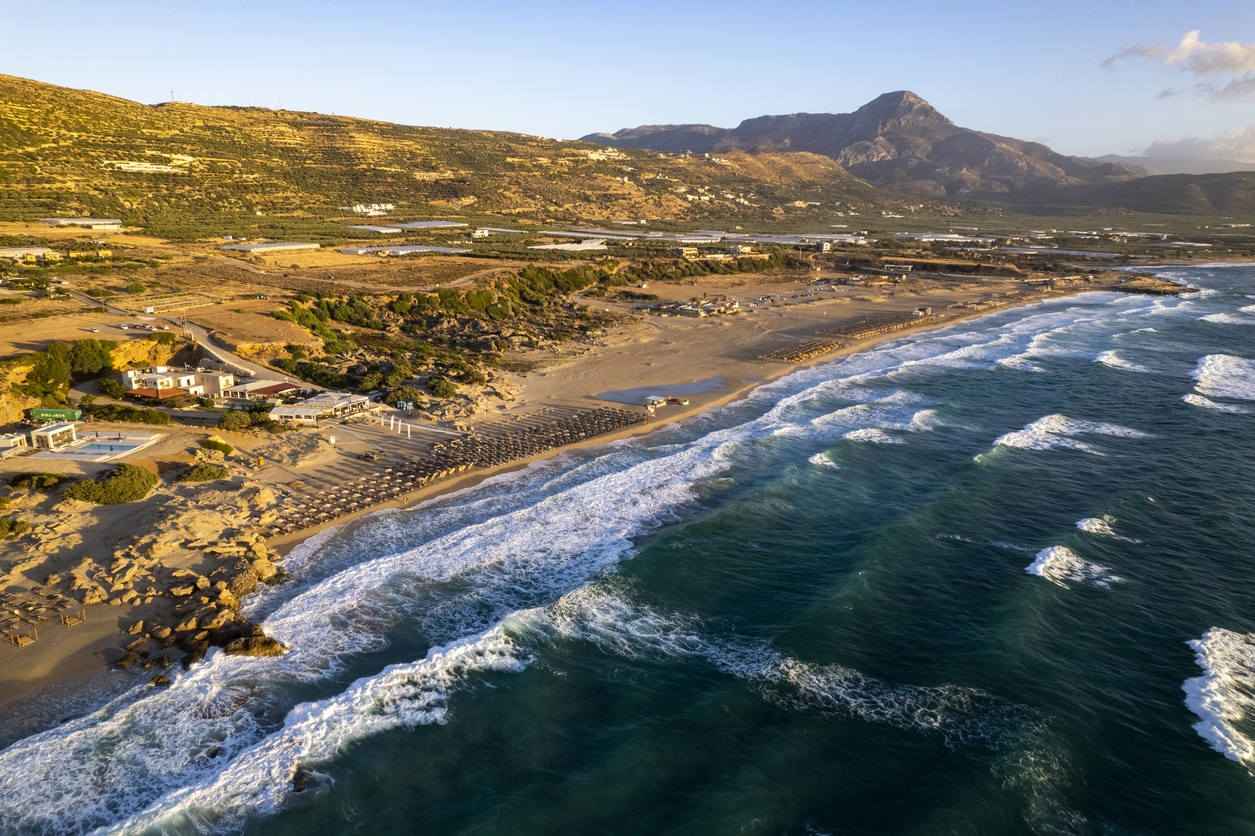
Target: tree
[(125, 483), (235, 421), (403, 394), (111, 388)]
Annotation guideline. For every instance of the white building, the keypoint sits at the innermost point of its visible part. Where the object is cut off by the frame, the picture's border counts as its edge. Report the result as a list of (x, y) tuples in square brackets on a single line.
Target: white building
[(323, 405), (86, 223), (13, 443), (197, 382), (54, 436), (273, 246)]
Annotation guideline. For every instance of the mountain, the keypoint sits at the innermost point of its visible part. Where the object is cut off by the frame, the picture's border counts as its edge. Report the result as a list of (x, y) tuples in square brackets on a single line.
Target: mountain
[(1178, 165), (896, 141), (1176, 194), (186, 171)]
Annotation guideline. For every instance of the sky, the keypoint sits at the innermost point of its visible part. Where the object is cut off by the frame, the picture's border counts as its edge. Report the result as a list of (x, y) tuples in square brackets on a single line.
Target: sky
[(1086, 78)]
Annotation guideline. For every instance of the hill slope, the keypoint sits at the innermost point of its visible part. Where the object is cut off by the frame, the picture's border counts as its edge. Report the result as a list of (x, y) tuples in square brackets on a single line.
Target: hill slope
[(1180, 194), (897, 141), (176, 168)]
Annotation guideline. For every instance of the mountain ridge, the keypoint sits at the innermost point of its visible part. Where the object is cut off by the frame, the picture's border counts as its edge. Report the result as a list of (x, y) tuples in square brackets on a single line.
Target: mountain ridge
[(898, 141)]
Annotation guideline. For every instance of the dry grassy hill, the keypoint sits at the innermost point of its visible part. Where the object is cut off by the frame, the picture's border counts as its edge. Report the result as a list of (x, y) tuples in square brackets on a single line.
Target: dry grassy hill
[(184, 170)]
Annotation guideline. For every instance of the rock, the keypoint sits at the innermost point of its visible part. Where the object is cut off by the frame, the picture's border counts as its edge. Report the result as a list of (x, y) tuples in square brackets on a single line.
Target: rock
[(228, 601), (93, 595), (127, 660), (161, 632), (181, 591), (135, 629), (187, 626), (138, 643), (217, 620), (202, 582), (243, 579), (255, 646), (195, 651), (182, 573), (52, 580), (265, 569), (114, 602), (130, 596), (159, 681)]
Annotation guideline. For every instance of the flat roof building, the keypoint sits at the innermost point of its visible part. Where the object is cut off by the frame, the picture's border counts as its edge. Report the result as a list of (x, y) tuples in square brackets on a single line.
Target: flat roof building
[(86, 223), (272, 246), (54, 437)]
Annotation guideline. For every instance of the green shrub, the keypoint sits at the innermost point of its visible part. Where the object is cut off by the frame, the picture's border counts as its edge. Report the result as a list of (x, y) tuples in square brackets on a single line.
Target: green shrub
[(203, 472), (221, 446), (234, 421), (128, 414), (442, 387), (403, 394), (135, 287), (125, 483), (11, 529), (37, 481)]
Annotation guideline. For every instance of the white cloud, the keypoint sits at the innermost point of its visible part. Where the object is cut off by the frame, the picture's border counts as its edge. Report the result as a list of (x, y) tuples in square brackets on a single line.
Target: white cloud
[(1238, 145), (1195, 56)]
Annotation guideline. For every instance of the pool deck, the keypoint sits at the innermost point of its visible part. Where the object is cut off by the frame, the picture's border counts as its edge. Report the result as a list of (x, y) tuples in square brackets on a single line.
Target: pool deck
[(91, 447)]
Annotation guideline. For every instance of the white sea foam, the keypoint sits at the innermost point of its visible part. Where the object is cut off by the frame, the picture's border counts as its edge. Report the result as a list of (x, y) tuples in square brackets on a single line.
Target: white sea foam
[(1228, 319), (1208, 403), (873, 435), (1000, 544), (1020, 363), (1114, 361), (260, 777), (823, 460), (1101, 527), (1061, 565), (1060, 431), (1225, 376), (1224, 696)]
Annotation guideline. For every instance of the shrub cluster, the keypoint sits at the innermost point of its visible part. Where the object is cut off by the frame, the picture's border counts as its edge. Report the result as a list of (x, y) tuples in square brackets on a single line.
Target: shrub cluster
[(235, 420), (125, 483), (221, 446), (203, 472), (37, 481), (11, 529), (129, 414)]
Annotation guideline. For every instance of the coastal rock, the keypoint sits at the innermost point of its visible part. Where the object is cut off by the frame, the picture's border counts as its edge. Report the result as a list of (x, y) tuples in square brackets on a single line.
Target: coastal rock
[(161, 632), (228, 601), (264, 569), (94, 595), (136, 628), (159, 681), (181, 591), (242, 579), (202, 582), (187, 626), (127, 660), (138, 643), (255, 646), (218, 620)]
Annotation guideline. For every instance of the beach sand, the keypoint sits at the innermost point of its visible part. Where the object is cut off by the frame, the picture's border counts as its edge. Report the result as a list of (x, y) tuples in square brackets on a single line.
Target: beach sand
[(713, 361)]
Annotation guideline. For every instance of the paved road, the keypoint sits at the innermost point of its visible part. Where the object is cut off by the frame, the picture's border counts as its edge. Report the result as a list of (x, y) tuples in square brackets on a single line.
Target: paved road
[(203, 338)]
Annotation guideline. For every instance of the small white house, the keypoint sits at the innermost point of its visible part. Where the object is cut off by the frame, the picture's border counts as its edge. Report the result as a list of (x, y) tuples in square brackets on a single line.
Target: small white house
[(54, 436)]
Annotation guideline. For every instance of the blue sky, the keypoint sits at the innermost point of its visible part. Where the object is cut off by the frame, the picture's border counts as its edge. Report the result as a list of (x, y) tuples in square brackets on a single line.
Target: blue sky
[(1030, 70)]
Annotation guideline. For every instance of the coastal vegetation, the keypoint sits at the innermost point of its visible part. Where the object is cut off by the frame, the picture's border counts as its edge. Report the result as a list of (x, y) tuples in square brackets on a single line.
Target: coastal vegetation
[(203, 472), (42, 482), (125, 483)]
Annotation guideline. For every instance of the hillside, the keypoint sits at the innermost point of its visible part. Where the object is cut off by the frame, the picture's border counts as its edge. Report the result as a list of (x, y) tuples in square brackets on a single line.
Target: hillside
[(1177, 165), (178, 168), (1181, 194), (897, 141)]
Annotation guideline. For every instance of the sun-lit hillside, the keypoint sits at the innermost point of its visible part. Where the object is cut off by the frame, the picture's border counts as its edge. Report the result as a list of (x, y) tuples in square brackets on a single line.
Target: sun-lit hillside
[(174, 167)]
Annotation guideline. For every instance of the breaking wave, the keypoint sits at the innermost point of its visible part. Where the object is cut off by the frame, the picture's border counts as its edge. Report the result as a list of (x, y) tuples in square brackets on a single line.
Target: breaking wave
[(1062, 566), (1101, 527), (1060, 431), (1114, 361), (1224, 696), (1225, 376)]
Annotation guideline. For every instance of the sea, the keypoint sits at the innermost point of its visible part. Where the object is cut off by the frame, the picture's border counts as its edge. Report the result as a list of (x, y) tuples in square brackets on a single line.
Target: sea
[(997, 578)]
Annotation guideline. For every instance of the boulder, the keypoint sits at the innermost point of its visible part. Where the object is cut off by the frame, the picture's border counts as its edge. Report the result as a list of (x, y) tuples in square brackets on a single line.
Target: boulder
[(255, 646), (138, 643), (181, 591), (159, 681), (135, 629), (161, 632), (127, 660)]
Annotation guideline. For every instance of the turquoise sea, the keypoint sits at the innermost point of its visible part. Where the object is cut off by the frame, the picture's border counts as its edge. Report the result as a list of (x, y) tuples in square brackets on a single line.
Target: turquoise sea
[(993, 579)]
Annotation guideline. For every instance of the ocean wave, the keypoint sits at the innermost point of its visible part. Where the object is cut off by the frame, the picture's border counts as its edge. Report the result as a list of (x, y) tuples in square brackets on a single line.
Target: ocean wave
[(1060, 431), (1101, 527), (260, 778), (1224, 696), (1020, 363), (1062, 566), (873, 435), (1207, 403), (999, 544), (1225, 376), (1228, 319), (823, 460), (1114, 361)]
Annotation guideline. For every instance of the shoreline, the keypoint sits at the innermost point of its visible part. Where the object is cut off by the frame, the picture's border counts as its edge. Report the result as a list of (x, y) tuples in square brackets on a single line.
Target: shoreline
[(61, 659), (285, 544)]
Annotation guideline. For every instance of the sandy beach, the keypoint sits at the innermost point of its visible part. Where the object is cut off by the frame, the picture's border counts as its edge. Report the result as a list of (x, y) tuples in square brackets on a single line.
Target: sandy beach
[(184, 534)]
